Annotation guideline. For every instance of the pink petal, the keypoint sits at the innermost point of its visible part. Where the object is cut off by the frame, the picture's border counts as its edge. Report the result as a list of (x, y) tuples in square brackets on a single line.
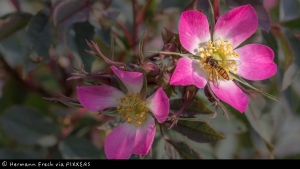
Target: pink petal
[(144, 136), (231, 94), (159, 105), (257, 62), (188, 72), (193, 30), (119, 142), (95, 98), (236, 25), (132, 80)]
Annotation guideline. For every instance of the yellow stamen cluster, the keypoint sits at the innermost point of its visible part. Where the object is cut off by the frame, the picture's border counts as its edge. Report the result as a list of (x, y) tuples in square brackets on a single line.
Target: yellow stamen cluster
[(220, 50), (132, 109)]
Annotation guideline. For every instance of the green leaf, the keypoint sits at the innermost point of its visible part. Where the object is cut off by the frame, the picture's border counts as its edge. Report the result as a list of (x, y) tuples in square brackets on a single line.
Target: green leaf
[(13, 22), (270, 147), (270, 41), (195, 108), (69, 12), (261, 121), (232, 125), (6, 153), (13, 93), (35, 100), (289, 10), (239, 79), (150, 12), (11, 49), (105, 38), (29, 126), (197, 131), (143, 92), (121, 85), (289, 76), (293, 70), (37, 41), (79, 148), (141, 56), (184, 150), (112, 124), (86, 121), (264, 19), (110, 112), (292, 24), (47, 81), (294, 43), (76, 36), (287, 134)]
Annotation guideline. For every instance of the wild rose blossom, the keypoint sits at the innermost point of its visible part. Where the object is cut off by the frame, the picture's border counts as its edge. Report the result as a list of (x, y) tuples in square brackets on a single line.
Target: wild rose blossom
[(231, 29), (136, 135)]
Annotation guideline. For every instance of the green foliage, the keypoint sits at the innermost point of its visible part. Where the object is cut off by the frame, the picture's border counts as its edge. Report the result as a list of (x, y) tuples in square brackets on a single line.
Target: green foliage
[(37, 41), (198, 131), (69, 12), (18, 122), (195, 108), (13, 22), (9, 154), (76, 40), (184, 150), (79, 148)]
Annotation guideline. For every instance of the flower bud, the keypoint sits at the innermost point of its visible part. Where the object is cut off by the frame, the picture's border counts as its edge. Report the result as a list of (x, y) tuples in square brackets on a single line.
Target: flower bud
[(169, 47), (151, 68), (189, 92), (163, 79)]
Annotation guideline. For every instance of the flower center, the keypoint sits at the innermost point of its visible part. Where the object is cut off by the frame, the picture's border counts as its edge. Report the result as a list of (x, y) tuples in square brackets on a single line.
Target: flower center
[(217, 56), (132, 109)]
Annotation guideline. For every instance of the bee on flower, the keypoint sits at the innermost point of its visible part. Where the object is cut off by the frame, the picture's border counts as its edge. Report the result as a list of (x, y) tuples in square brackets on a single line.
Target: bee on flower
[(215, 57)]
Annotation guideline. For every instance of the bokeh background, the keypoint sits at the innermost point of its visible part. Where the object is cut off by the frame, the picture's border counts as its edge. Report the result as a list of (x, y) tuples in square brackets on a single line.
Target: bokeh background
[(42, 42)]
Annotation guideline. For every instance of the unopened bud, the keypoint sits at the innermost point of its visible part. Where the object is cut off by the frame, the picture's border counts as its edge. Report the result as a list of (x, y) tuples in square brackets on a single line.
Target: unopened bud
[(151, 68), (189, 92), (170, 47), (163, 79), (166, 78)]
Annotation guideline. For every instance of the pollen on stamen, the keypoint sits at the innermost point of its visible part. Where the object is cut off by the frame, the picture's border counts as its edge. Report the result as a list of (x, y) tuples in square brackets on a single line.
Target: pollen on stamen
[(133, 109), (220, 50)]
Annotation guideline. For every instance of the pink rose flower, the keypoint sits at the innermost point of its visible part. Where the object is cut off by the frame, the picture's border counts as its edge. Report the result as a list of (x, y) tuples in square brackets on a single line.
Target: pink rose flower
[(252, 61), (136, 134)]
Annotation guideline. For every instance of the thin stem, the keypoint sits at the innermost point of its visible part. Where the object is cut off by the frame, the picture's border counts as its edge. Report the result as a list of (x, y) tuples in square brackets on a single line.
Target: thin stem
[(216, 5), (135, 22), (219, 103), (142, 12), (161, 132), (213, 18), (126, 33)]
